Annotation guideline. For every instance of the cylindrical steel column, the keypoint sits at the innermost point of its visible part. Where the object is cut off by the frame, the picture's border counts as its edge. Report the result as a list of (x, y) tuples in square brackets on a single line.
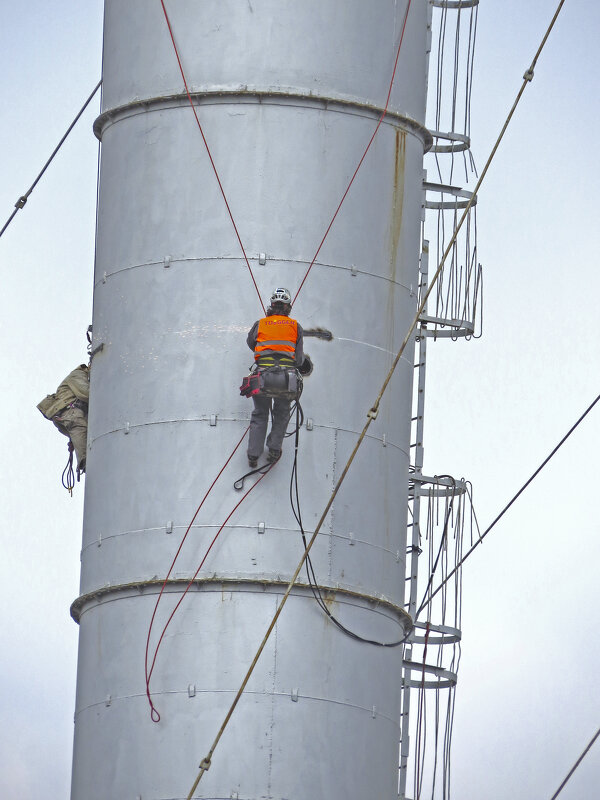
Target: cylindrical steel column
[(288, 95)]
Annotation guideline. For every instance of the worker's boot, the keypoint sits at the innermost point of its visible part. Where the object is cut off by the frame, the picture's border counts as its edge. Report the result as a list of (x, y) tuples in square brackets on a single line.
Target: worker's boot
[(252, 462), (273, 456)]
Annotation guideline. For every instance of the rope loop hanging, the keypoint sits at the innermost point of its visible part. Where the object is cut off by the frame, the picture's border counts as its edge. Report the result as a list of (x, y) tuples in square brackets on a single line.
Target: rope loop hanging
[(68, 476)]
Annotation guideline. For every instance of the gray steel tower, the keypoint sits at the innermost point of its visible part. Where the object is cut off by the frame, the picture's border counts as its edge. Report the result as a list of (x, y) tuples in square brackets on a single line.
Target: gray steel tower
[(288, 95)]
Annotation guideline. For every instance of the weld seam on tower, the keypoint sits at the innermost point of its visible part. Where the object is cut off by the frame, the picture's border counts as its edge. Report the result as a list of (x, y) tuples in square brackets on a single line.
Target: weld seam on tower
[(212, 584), (285, 696), (274, 261), (160, 529), (135, 426), (261, 98)]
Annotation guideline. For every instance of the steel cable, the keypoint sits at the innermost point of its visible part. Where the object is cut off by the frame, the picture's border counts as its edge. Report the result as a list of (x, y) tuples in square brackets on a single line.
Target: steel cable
[(509, 504), (24, 197), (575, 765)]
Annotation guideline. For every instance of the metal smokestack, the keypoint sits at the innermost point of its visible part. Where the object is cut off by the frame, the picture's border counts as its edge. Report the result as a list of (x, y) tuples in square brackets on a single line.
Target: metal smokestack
[(288, 96)]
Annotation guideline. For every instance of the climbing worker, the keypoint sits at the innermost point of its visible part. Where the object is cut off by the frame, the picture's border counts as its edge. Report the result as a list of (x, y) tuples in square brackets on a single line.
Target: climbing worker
[(67, 408), (277, 341)]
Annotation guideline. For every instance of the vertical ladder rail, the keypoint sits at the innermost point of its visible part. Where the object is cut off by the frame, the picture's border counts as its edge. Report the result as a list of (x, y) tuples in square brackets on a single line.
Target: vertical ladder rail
[(415, 537)]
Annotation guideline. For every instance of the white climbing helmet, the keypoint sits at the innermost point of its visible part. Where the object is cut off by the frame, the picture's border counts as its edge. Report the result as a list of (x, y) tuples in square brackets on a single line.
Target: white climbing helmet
[(281, 296)]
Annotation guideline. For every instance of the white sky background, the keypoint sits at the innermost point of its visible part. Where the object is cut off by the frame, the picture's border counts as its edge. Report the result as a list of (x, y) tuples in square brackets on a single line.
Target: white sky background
[(528, 699)]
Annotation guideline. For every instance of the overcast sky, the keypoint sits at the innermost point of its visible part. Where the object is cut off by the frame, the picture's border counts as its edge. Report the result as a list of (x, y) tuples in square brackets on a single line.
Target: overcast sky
[(528, 699)]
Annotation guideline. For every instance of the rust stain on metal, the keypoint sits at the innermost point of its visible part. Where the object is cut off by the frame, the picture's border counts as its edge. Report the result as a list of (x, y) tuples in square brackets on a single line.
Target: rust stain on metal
[(395, 227), (395, 230), (330, 600), (397, 199)]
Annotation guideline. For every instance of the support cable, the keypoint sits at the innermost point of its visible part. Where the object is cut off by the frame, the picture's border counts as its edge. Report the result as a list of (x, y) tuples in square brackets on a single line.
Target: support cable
[(368, 147), (575, 765), (24, 197), (509, 504), (371, 415), (185, 83)]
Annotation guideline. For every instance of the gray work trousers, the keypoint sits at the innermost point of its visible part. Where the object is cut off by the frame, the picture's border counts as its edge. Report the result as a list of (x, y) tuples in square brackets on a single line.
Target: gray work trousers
[(73, 423), (259, 421)]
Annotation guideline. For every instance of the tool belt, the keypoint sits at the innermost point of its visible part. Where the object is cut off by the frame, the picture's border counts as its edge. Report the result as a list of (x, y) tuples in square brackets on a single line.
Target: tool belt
[(51, 406), (277, 381)]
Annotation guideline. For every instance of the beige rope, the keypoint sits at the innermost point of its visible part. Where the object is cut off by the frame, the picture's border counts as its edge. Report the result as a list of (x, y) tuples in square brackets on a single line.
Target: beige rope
[(372, 413)]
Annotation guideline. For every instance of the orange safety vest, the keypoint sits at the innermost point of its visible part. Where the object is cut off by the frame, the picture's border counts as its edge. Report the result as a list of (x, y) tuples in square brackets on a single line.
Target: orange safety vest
[(277, 336)]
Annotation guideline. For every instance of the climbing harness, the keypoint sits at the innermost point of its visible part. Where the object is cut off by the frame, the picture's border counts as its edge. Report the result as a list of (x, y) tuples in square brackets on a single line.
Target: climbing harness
[(68, 476), (277, 381)]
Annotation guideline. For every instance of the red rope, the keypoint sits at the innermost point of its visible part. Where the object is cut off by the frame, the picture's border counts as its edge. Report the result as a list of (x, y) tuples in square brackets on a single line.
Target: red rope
[(148, 674), (381, 118), (239, 238), (154, 715)]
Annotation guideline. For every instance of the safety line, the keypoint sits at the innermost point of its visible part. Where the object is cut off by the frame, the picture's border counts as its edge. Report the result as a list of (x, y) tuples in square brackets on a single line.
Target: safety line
[(371, 415), (310, 571), (575, 765), (185, 83), (148, 674), (24, 197), (155, 716), (381, 118), (508, 505)]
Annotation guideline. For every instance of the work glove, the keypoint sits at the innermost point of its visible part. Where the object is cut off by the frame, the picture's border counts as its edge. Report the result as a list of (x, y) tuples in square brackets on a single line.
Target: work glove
[(306, 367)]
